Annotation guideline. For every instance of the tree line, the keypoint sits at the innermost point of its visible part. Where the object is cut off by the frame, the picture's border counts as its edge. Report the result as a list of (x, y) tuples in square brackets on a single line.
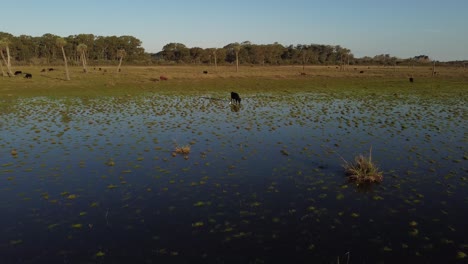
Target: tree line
[(101, 50), (44, 50)]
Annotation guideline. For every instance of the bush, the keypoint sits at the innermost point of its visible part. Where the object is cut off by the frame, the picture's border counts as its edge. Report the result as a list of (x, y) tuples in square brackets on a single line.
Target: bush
[(363, 170)]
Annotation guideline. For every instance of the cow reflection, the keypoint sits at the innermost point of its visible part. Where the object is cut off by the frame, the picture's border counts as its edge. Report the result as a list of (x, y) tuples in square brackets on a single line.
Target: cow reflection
[(235, 107)]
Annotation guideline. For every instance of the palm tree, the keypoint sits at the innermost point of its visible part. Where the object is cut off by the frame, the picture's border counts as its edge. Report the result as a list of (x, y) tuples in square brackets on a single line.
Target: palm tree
[(60, 42), (120, 54), (82, 48), (237, 48), (1, 66), (4, 45), (215, 59)]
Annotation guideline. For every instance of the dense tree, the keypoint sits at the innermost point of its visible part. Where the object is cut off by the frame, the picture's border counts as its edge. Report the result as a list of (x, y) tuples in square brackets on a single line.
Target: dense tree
[(60, 42), (196, 54), (176, 52), (104, 50)]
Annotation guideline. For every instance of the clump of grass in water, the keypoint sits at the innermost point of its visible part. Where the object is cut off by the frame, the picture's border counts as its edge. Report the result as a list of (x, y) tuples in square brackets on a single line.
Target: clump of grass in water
[(184, 150), (363, 170)]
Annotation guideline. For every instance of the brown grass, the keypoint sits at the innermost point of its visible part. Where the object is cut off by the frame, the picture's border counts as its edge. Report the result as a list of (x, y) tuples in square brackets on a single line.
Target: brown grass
[(184, 150), (363, 170)]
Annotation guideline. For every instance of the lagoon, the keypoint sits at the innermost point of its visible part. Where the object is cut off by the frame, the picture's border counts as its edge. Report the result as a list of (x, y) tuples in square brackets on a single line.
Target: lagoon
[(96, 180)]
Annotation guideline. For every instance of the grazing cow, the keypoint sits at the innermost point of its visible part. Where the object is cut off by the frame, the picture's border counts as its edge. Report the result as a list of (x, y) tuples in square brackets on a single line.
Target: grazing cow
[(163, 78), (18, 72), (361, 72), (100, 69), (411, 79), (235, 97), (205, 72), (27, 75), (303, 73), (51, 69), (43, 70)]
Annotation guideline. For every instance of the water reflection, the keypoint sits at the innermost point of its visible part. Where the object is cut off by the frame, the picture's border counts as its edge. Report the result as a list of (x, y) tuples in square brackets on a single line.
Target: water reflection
[(235, 107)]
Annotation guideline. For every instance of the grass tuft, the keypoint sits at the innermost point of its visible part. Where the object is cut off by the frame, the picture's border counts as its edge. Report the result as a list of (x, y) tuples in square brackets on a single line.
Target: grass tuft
[(184, 150), (363, 170)]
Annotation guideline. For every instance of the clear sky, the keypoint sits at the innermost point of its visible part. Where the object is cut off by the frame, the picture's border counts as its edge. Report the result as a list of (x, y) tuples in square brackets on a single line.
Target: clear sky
[(402, 28)]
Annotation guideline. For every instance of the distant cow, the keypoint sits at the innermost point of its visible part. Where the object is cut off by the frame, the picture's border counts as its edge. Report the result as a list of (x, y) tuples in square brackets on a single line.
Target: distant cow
[(205, 72), (411, 79), (163, 78), (27, 75), (361, 72), (235, 97), (18, 72), (43, 70), (51, 69), (303, 73)]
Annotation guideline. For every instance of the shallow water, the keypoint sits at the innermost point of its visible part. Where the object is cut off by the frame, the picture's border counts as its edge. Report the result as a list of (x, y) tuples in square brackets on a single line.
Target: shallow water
[(96, 181)]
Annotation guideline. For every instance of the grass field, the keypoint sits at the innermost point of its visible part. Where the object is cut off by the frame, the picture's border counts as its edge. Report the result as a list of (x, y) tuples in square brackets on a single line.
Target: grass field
[(134, 80)]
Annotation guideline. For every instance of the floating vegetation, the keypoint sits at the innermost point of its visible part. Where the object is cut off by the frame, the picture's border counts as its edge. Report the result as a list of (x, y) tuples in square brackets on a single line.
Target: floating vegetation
[(14, 152), (461, 255), (363, 170), (16, 242), (110, 162), (184, 150), (77, 226), (198, 224), (112, 186), (71, 197)]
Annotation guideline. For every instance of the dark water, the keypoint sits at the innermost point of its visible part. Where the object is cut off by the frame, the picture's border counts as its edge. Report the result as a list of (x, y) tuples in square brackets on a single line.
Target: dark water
[(96, 180)]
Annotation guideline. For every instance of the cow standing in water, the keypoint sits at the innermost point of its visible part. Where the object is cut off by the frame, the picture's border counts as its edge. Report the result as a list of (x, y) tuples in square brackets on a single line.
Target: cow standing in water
[(235, 97)]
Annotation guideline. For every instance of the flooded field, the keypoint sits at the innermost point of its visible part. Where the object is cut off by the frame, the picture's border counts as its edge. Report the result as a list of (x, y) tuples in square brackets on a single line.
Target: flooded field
[(98, 180)]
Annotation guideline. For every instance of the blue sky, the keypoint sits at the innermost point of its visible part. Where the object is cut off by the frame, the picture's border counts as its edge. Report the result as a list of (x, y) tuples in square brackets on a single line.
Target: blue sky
[(402, 28)]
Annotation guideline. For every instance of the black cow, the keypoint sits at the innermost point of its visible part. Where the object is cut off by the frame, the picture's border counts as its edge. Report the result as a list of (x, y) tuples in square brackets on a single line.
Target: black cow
[(51, 69), (205, 72), (27, 75), (361, 72), (235, 97), (43, 70), (411, 79), (18, 72)]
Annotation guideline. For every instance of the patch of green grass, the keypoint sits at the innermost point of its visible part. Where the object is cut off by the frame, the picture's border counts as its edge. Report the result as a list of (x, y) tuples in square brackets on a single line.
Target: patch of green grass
[(248, 81)]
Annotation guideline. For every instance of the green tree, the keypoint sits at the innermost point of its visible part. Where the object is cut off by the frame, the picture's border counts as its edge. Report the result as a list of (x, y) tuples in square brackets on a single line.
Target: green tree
[(176, 52), (61, 43), (196, 54), (82, 48), (48, 44)]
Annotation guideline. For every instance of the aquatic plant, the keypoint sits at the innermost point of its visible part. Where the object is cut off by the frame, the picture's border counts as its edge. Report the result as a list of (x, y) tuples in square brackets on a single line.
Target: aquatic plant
[(185, 150), (363, 170)]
